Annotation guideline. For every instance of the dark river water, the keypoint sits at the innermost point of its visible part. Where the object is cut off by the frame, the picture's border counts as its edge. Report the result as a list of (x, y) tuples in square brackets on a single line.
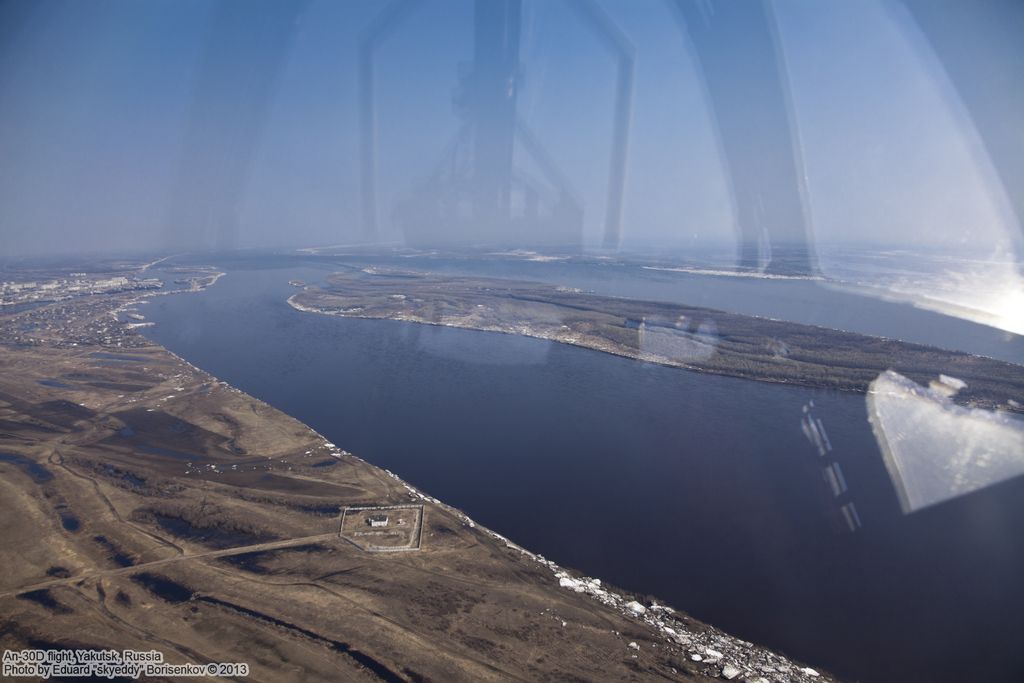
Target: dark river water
[(699, 490)]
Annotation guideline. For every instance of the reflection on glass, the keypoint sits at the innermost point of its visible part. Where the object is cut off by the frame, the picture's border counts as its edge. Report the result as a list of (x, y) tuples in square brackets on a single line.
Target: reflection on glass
[(936, 450)]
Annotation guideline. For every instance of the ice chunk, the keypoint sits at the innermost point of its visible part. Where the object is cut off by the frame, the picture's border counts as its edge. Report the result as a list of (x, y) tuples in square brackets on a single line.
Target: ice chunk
[(636, 607)]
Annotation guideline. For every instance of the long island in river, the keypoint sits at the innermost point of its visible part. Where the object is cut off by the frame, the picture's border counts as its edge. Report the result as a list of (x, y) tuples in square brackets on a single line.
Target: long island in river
[(671, 334)]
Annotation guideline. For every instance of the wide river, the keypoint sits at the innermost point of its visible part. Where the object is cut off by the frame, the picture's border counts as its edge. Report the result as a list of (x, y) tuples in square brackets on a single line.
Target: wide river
[(699, 490)]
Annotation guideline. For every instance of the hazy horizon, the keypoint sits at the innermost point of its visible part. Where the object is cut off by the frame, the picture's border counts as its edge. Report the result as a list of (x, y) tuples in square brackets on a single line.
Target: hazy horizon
[(164, 125)]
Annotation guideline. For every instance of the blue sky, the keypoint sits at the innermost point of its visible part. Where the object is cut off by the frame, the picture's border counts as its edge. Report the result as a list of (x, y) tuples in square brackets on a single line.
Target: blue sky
[(97, 98)]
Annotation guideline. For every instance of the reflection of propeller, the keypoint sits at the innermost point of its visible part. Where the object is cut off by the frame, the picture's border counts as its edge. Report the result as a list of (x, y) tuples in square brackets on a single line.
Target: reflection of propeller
[(736, 50), (988, 77), (540, 156), (936, 450), (382, 26), (614, 39)]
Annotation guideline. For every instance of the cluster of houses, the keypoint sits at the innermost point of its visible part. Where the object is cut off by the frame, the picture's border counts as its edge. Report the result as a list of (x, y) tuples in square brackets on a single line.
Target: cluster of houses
[(22, 292)]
